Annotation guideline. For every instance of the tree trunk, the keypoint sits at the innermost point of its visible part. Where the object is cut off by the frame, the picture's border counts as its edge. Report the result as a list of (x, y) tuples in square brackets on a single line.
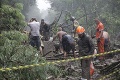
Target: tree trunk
[(0, 3), (85, 12)]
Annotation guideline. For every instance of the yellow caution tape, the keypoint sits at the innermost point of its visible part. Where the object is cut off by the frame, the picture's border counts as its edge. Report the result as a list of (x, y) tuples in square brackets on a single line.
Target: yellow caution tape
[(54, 62), (109, 75)]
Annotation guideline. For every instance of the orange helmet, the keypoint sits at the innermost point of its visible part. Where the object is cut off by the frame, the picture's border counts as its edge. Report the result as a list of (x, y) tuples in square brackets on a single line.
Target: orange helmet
[(80, 30)]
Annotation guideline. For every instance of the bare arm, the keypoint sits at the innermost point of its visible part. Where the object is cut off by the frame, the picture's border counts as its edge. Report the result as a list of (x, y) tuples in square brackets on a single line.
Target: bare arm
[(26, 32)]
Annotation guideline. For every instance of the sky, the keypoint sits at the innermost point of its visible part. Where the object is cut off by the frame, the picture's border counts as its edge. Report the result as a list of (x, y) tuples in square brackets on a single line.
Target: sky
[(43, 4)]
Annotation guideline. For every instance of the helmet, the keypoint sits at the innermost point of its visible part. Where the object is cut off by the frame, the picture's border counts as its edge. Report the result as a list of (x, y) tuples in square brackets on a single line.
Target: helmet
[(72, 18), (80, 30)]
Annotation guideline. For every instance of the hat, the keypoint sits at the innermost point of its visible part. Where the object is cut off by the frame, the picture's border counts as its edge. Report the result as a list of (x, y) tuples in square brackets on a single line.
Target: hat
[(80, 30)]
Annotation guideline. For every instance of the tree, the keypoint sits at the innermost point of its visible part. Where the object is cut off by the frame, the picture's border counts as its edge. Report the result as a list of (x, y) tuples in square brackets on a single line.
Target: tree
[(12, 18), (14, 13), (14, 48), (13, 52), (87, 10)]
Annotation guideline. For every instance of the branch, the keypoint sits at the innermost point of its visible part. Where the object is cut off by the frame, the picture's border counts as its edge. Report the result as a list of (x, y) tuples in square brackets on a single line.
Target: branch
[(79, 17), (56, 21), (59, 17)]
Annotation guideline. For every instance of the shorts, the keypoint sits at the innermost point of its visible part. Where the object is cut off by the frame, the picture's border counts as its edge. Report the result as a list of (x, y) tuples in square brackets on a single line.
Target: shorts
[(68, 43), (35, 42)]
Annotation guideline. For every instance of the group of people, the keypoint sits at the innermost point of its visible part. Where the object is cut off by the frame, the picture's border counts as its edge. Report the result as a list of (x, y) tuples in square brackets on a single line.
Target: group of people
[(85, 44), (37, 30), (67, 42)]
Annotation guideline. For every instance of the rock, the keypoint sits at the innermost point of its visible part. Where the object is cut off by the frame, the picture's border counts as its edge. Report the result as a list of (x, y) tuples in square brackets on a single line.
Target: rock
[(72, 78), (48, 46), (60, 79), (50, 78)]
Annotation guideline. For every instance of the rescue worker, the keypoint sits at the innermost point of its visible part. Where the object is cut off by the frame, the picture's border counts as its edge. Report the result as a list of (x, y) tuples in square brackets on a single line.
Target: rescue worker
[(100, 38), (35, 34), (75, 22), (66, 42), (45, 29), (86, 47), (107, 41), (75, 25)]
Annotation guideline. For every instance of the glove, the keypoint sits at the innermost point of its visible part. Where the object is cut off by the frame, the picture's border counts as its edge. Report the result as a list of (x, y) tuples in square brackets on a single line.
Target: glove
[(98, 40)]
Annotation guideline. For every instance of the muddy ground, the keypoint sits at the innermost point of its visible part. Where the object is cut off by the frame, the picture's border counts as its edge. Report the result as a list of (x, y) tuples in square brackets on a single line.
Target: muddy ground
[(72, 70)]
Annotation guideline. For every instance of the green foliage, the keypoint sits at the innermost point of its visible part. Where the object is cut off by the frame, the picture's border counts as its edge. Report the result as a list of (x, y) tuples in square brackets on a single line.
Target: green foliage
[(107, 11), (54, 29), (54, 71), (12, 18), (19, 6), (13, 35), (14, 52)]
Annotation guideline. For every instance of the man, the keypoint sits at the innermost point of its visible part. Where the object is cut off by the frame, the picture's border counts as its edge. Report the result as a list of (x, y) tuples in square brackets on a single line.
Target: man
[(86, 47), (66, 42), (35, 34), (75, 25), (99, 37), (44, 30), (107, 41)]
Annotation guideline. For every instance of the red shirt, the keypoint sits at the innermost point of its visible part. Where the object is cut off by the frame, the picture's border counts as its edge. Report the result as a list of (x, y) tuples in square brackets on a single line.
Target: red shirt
[(99, 28)]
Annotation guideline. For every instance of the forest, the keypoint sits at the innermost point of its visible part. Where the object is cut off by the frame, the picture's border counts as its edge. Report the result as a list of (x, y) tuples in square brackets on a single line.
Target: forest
[(14, 15)]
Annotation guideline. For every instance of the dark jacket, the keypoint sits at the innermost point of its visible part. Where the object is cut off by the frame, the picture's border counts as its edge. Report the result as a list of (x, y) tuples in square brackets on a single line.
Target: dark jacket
[(86, 46), (45, 27)]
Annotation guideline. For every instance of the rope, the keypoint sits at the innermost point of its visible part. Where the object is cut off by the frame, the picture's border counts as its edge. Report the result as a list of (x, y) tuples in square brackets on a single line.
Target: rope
[(54, 62)]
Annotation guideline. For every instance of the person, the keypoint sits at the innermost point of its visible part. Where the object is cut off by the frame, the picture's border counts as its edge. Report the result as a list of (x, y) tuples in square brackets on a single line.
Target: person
[(45, 29), (86, 47), (75, 25), (99, 37), (107, 41), (75, 22), (66, 42), (35, 34)]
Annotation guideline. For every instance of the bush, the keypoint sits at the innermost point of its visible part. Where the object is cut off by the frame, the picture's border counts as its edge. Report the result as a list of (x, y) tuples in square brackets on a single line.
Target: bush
[(14, 53)]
